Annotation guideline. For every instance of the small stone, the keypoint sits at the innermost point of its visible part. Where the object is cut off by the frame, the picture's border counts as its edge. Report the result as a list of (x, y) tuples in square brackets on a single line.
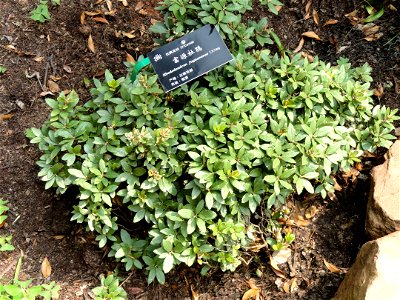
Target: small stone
[(20, 104), (397, 131)]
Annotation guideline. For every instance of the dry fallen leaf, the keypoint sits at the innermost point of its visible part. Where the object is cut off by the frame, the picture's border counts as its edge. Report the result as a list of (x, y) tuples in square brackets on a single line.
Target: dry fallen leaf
[(82, 18), (282, 256), (374, 37), (99, 73), (300, 46), (6, 117), (92, 13), (275, 268), (124, 2), (195, 295), (311, 34), (378, 91), (330, 22), (315, 16), (332, 196), (139, 5), (55, 78), (293, 285), (18, 52), (91, 44), (286, 286), (301, 222), (253, 292), (331, 267), (144, 12), (58, 237), (101, 20), (353, 17), (369, 29), (109, 5), (67, 69), (336, 185), (352, 173), (46, 268), (308, 9), (46, 93), (38, 58), (10, 47), (53, 87), (308, 56), (129, 58), (110, 13), (310, 212), (129, 35)]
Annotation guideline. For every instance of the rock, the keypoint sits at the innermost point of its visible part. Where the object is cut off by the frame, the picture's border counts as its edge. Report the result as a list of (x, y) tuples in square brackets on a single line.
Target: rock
[(376, 272), (383, 210), (397, 131)]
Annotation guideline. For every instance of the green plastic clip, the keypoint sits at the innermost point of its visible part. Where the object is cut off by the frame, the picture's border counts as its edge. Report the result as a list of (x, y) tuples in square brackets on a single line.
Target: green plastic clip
[(139, 65)]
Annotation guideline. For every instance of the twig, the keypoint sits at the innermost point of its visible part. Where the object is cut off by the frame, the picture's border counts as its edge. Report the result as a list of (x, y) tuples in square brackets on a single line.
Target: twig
[(18, 268), (15, 221), (46, 74), (52, 64), (35, 74), (129, 276)]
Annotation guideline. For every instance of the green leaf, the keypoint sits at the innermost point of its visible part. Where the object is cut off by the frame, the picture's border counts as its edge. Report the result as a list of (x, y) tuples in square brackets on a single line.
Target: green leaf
[(201, 225), (209, 200), (167, 245), (13, 290), (120, 253), (186, 213), (139, 171), (191, 226), (207, 214), (77, 173), (160, 276), (165, 185), (173, 216), (270, 178), (311, 175), (168, 263), (238, 184)]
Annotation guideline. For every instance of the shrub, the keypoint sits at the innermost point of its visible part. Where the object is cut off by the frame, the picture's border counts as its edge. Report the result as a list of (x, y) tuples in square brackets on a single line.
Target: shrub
[(175, 178)]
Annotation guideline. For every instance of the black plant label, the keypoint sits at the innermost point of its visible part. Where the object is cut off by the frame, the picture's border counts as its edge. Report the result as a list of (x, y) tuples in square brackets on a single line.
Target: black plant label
[(189, 57)]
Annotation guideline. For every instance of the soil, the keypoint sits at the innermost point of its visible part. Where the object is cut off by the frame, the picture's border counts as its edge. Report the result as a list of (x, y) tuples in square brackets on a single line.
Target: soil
[(57, 50)]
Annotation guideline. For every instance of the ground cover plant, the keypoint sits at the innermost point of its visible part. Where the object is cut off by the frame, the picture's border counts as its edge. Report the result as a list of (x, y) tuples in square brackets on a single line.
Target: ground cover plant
[(41, 12), (178, 178)]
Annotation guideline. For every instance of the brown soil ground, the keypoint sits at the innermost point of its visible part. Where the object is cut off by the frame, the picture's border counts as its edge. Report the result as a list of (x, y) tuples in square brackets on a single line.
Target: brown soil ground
[(39, 220)]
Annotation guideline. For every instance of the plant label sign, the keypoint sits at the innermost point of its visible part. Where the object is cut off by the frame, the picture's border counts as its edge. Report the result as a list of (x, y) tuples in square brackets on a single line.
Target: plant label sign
[(189, 57)]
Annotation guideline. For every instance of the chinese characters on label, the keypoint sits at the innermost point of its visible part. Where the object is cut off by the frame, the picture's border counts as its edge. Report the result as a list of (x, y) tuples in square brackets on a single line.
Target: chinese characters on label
[(189, 57)]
